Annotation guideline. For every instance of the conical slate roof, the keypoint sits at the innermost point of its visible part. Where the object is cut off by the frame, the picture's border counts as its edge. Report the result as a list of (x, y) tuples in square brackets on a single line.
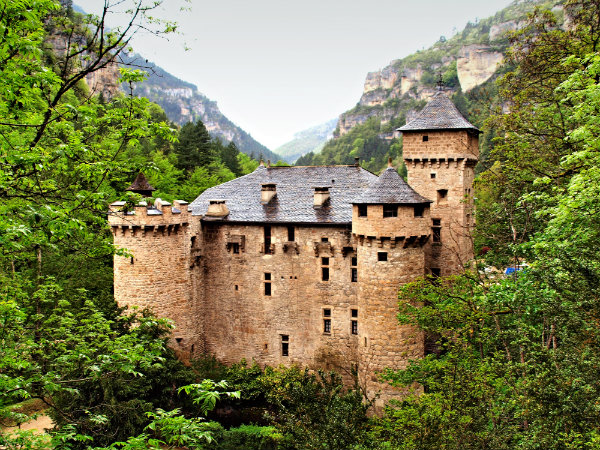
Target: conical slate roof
[(439, 114), (390, 188), (140, 184)]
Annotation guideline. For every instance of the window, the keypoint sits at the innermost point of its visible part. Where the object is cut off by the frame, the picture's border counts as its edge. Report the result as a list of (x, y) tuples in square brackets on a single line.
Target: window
[(267, 283), (291, 234), (131, 260), (436, 272), (425, 138), (237, 288), (354, 326), (285, 345), (436, 230), (267, 233), (362, 210), (193, 241), (235, 247), (433, 175), (325, 261), (382, 256), (354, 312), (327, 320), (353, 270), (390, 210), (419, 210), (354, 261), (324, 273), (442, 196)]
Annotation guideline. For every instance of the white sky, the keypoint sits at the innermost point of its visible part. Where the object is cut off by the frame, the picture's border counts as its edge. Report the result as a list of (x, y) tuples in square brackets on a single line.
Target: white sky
[(277, 67)]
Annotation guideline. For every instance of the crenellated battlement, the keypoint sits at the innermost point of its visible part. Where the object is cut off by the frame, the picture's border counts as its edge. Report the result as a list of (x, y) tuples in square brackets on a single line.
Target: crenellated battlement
[(161, 217)]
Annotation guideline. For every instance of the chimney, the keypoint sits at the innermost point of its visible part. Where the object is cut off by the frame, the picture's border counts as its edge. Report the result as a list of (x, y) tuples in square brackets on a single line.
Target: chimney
[(267, 192), (321, 196), (217, 208), (357, 161)]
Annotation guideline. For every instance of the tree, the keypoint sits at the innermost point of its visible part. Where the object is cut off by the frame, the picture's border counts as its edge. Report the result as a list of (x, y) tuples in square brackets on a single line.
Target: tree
[(195, 148)]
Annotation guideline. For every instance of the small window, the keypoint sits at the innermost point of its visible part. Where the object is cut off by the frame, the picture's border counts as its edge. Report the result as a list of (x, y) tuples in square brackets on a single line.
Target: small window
[(436, 230), (382, 256), (193, 241), (442, 195), (268, 289), (419, 210), (354, 312), (390, 210), (353, 274), (325, 273), (267, 276), (354, 261), (425, 138), (354, 326), (235, 247), (291, 234), (326, 325), (285, 345), (436, 272), (131, 260), (325, 261), (324, 239), (327, 312), (267, 238), (237, 288), (362, 210), (432, 175)]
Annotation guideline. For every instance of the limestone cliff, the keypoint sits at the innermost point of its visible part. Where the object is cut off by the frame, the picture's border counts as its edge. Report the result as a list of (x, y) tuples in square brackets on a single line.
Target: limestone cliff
[(466, 61)]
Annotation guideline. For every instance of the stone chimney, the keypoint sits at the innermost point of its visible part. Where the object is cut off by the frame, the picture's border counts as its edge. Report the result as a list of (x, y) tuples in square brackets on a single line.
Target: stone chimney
[(217, 208), (321, 196), (267, 192)]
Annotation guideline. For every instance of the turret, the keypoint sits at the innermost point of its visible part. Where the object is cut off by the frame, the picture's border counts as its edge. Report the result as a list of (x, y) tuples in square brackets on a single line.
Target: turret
[(441, 149), (154, 270), (391, 226)]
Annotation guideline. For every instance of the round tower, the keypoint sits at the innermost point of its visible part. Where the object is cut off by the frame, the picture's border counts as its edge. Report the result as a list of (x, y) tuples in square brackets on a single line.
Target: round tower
[(441, 149), (152, 270), (390, 223)]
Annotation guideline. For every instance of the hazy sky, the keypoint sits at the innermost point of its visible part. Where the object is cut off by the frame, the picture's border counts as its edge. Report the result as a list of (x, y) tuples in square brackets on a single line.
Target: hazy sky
[(276, 67)]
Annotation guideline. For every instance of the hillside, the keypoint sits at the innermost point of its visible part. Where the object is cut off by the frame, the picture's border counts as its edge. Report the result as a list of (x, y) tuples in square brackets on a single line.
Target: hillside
[(469, 63), (310, 140), (184, 103)]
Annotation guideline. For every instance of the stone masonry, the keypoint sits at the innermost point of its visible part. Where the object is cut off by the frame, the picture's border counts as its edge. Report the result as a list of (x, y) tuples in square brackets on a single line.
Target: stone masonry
[(301, 265)]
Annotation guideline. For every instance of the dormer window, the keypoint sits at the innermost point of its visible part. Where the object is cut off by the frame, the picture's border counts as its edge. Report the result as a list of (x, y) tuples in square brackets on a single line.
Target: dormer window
[(362, 210)]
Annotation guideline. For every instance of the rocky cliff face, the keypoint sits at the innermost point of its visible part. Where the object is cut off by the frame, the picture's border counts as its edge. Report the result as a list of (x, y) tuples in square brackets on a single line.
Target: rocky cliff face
[(183, 103), (466, 61)]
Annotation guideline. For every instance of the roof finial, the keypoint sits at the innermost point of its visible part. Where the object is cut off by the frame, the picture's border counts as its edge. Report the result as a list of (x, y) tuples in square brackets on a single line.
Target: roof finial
[(262, 163), (268, 163), (390, 163), (440, 82)]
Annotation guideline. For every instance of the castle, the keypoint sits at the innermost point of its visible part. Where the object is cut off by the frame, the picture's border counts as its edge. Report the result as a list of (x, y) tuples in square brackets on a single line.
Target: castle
[(302, 264)]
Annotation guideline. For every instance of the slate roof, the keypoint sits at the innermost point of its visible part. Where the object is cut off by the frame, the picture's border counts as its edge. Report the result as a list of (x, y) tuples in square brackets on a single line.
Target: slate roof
[(390, 188), (439, 114), (140, 184), (295, 194)]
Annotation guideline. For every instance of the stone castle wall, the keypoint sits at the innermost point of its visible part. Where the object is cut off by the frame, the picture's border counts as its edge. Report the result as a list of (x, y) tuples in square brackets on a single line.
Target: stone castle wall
[(445, 162), (241, 321), (156, 273)]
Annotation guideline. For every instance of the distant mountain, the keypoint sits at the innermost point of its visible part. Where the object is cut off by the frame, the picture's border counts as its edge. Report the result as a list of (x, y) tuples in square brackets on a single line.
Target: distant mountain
[(469, 63), (310, 140), (183, 103)]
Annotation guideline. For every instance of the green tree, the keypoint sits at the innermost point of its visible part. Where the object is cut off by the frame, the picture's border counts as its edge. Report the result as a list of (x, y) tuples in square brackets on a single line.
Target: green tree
[(195, 147)]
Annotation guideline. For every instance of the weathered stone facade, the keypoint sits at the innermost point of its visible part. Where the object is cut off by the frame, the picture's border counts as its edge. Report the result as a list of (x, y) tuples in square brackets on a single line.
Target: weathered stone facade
[(303, 264)]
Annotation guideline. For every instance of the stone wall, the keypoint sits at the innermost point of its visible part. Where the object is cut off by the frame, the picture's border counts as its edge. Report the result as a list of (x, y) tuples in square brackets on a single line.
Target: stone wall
[(401, 227), (242, 322), (445, 162), (156, 274), (383, 342)]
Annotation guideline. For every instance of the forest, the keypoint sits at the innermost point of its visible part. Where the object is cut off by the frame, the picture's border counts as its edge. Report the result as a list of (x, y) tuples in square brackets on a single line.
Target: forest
[(517, 357)]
